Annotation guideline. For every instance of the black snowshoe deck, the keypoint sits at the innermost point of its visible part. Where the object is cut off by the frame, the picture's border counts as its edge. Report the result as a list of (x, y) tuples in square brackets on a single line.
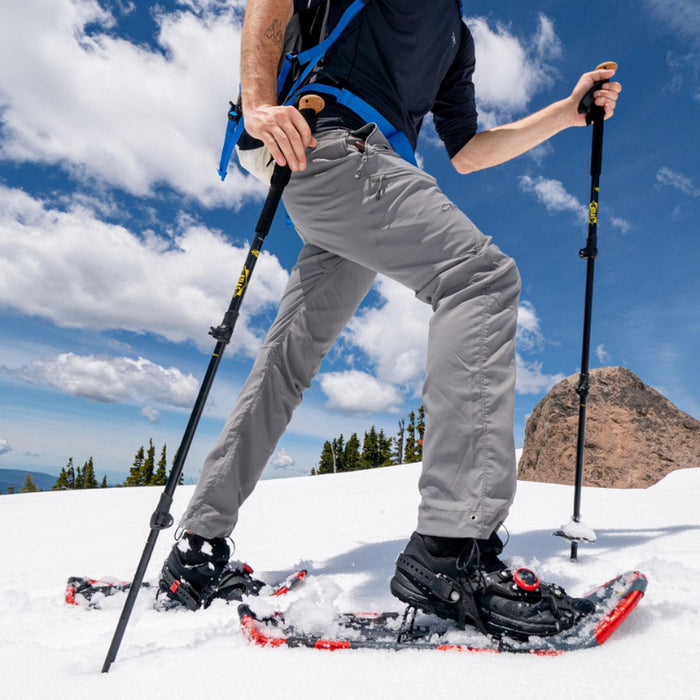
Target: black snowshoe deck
[(91, 592), (614, 601)]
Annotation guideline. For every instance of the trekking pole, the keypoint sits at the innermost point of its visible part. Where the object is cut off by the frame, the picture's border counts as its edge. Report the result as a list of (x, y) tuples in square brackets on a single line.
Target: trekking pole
[(309, 106), (576, 531)]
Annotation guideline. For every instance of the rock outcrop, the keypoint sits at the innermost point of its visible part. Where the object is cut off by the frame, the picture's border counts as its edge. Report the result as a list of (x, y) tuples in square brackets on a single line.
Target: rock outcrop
[(634, 435)]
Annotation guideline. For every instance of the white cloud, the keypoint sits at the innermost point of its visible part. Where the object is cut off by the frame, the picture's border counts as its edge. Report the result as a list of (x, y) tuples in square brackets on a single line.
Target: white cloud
[(509, 70), (602, 354), (554, 196), (621, 224), (78, 271), (530, 379), (4, 446), (681, 16), (281, 459), (353, 391), (152, 415), (529, 376), (529, 336), (111, 379), (678, 181), (394, 334), (118, 112)]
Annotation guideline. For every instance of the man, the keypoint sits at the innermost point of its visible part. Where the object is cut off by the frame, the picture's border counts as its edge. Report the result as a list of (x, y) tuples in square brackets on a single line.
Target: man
[(361, 209)]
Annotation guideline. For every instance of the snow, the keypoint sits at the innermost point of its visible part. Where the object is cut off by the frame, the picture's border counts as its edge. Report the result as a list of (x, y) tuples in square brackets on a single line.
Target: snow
[(347, 530), (578, 531)]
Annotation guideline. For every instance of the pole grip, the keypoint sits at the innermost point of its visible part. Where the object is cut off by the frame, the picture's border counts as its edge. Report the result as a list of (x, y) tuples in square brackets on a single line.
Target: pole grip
[(587, 104)]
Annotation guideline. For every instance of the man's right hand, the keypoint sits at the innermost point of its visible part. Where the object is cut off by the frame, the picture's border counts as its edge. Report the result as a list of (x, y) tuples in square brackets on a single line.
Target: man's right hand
[(283, 130)]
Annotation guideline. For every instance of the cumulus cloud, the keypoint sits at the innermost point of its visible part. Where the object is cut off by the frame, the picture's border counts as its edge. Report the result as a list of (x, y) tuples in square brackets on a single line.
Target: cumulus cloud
[(398, 354), (111, 379), (78, 271), (4, 446), (77, 95), (281, 459), (602, 354), (530, 379), (681, 16), (152, 415), (511, 70), (554, 196), (529, 335), (353, 391), (678, 181)]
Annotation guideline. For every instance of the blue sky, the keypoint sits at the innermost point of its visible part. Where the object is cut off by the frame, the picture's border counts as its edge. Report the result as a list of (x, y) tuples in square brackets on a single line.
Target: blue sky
[(119, 246)]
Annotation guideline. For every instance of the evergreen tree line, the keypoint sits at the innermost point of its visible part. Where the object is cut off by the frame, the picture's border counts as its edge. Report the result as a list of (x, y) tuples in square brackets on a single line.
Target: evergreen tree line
[(145, 471), (376, 450), (83, 477)]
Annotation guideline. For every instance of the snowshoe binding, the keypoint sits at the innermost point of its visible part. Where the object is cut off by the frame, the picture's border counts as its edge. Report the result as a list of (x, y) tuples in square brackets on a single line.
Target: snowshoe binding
[(198, 570), (475, 587)]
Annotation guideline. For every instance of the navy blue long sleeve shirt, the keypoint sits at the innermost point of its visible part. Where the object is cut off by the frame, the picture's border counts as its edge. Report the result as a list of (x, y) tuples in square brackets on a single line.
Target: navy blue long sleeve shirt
[(406, 58)]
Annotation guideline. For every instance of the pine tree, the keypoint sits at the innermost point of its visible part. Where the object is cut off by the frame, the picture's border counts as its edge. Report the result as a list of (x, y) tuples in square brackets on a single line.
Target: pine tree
[(10, 490), (338, 446), (62, 483), (420, 428), (28, 486), (79, 478), (89, 479), (351, 455), (399, 443), (410, 453), (103, 484), (371, 456), (148, 466), (384, 449), (160, 477), (70, 474), (134, 478), (326, 460)]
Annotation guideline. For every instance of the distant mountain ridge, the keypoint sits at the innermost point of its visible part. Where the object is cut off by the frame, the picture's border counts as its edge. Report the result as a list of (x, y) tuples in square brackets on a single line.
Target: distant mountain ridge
[(15, 477)]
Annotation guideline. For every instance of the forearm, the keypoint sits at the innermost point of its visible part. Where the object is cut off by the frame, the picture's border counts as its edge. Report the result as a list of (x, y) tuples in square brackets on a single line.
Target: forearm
[(261, 49), (502, 143)]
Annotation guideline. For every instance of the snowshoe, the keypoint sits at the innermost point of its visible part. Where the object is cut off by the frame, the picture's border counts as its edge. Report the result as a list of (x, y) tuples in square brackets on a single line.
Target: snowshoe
[(236, 581), (612, 602)]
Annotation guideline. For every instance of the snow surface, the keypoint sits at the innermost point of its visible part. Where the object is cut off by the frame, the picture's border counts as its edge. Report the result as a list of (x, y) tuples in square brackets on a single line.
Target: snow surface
[(347, 530)]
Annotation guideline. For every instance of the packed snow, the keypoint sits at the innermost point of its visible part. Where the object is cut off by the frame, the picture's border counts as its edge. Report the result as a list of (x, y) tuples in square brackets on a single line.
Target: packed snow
[(347, 530)]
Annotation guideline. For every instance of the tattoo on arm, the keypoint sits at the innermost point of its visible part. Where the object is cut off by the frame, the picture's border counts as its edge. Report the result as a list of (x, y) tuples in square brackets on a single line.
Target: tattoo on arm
[(274, 32)]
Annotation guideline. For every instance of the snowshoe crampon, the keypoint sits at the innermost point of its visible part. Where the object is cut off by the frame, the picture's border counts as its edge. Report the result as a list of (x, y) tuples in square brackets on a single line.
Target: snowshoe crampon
[(611, 603)]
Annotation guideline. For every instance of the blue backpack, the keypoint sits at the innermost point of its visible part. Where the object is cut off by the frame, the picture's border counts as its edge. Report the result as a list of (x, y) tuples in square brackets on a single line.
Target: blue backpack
[(307, 39)]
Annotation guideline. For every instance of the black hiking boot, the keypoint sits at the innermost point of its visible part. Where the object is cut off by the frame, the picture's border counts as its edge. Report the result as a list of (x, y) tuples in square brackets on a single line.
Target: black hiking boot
[(475, 587), (192, 570)]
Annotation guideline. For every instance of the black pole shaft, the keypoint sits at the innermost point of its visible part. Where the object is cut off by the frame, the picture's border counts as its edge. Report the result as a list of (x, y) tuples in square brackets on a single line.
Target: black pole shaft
[(589, 254), (161, 518)]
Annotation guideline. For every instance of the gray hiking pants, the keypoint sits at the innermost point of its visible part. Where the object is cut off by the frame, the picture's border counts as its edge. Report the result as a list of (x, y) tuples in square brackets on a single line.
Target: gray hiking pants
[(360, 209)]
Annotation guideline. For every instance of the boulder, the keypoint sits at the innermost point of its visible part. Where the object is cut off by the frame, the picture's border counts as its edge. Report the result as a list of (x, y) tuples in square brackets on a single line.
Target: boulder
[(634, 435)]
